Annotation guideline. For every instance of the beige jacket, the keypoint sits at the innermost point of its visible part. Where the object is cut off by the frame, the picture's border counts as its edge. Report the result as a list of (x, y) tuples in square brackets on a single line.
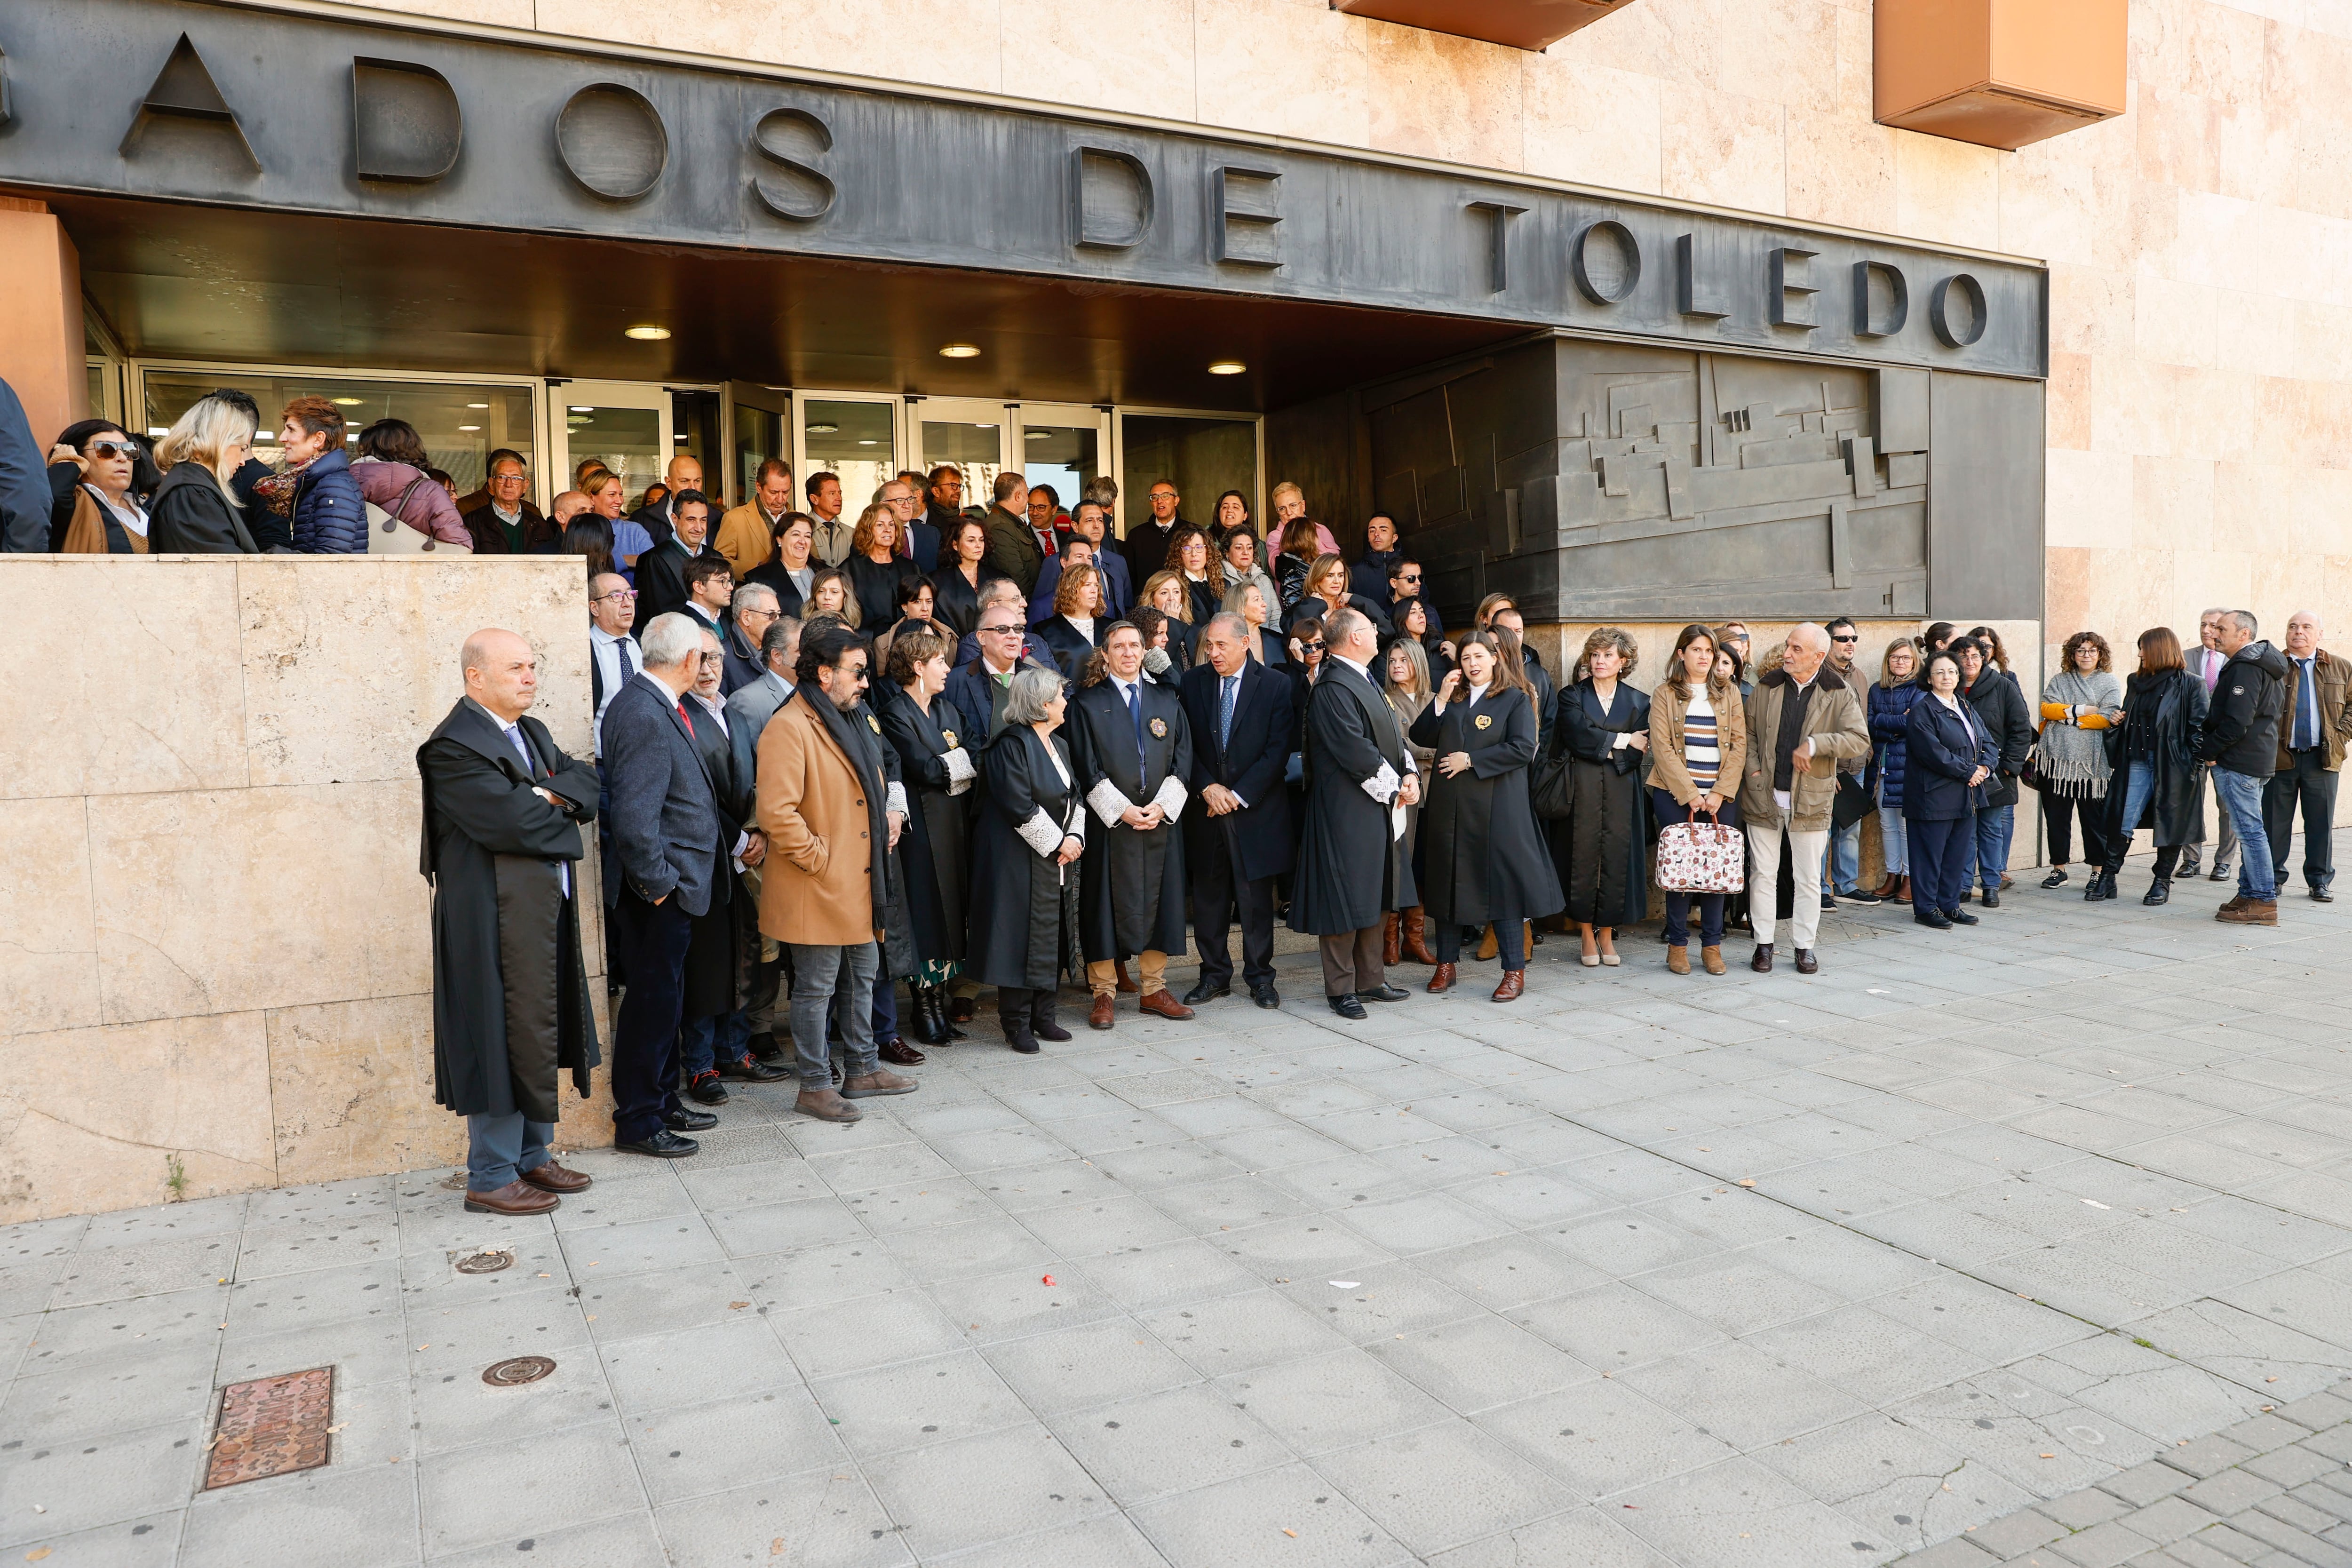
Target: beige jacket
[(1668, 707), (1834, 721)]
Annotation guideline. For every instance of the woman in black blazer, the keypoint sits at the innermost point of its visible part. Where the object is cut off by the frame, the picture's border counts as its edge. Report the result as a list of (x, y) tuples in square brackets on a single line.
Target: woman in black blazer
[(923, 728), (1603, 849), (1948, 755), (963, 572), (1167, 592), (1478, 838), (1074, 629)]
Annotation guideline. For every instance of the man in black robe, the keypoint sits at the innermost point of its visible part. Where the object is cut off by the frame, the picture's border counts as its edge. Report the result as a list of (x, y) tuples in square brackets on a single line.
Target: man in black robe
[(501, 850), (1133, 752), (1351, 869)]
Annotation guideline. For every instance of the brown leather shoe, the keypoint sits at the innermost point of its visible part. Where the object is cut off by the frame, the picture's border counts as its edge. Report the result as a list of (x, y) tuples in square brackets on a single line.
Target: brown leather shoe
[(867, 1084), (2251, 912), (1391, 941), (553, 1178), (1806, 963), (1442, 978), (1678, 959), (1126, 985), (1712, 957), (1103, 1013), (1162, 1003), (1487, 946), (514, 1198), (899, 1054), (826, 1105), (1416, 936), (1763, 962), (1514, 985)]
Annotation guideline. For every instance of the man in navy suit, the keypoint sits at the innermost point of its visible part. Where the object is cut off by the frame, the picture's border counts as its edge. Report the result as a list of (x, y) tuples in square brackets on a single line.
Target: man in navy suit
[(672, 845), (995, 590), (1237, 830)]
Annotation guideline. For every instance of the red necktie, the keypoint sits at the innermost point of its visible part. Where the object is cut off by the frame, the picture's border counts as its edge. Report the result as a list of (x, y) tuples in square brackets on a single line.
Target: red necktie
[(684, 718)]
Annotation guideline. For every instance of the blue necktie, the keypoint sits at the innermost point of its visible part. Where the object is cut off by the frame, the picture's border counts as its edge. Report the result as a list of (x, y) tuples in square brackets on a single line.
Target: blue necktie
[(1225, 710), (1135, 711)]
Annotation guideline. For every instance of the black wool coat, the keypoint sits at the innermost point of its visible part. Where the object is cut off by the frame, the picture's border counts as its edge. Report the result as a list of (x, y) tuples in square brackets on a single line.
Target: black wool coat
[(2175, 807), (510, 1005), (1352, 868), (1131, 882), (1483, 857), (191, 515), (1602, 851), (1024, 907), (935, 847)]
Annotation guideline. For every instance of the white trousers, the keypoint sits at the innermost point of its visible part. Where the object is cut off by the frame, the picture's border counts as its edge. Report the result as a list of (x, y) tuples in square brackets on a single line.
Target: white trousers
[(1764, 882)]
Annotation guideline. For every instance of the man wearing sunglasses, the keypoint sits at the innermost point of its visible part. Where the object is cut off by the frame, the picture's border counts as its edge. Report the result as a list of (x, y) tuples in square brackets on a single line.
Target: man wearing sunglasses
[(1842, 863)]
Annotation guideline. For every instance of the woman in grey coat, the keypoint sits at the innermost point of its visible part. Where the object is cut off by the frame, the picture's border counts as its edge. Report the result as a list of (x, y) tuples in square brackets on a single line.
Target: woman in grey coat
[(2078, 705)]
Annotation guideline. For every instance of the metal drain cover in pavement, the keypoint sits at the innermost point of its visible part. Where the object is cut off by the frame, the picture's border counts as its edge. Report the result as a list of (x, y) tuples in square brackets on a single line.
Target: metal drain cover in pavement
[(485, 1262), (272, 1426), (520, 1370)]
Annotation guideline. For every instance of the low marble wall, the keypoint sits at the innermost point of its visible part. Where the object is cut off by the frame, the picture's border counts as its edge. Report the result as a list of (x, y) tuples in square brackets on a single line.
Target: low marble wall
[(215, 967)]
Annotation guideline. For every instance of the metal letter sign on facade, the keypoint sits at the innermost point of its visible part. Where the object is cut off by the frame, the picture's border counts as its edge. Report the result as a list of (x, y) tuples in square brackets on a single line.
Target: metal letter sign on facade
[(567, 139)]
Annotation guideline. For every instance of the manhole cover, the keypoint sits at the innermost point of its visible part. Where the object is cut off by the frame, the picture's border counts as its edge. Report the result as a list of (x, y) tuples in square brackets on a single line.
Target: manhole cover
[(271, 1427), (485, 1262), (520, 1370)]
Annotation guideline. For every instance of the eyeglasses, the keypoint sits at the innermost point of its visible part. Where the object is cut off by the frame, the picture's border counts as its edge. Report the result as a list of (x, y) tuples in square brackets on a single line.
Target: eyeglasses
[(997, 631), (615, 594), (114, 449)]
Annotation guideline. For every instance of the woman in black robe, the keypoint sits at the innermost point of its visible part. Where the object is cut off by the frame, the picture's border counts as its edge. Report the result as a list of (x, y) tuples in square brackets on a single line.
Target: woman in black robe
[(1478, 841), (939, 774), (875, 567), (1602, 850), (1025, 875), (963, 572), (1074, 629)]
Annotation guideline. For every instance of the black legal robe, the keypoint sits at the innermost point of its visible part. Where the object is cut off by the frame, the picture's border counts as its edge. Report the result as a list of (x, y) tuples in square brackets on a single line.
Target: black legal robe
[(1131, 886), (1352, 868), (935, 846), (510, 1005), (1024, 907), (1483, 859)]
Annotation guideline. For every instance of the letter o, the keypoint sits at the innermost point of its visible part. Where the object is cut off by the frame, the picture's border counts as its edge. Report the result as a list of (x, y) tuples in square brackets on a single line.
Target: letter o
[(1960, 334), (1595, 275)]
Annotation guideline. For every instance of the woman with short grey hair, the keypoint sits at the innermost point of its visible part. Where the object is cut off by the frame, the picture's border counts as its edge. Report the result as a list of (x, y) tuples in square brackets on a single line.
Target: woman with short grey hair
[(1032, 829)]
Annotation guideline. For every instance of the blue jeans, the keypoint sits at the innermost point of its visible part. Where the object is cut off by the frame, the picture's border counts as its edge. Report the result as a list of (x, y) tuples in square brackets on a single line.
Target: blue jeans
[(1995, 824), (704, 1043), (1895, 838), (2240, 795), (499, 1148), (1841, 861), (2139, 785), (817, 973)]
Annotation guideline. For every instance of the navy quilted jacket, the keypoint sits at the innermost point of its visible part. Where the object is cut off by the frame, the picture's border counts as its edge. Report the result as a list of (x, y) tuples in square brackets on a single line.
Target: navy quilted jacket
[(1890, 712), (329, 516)]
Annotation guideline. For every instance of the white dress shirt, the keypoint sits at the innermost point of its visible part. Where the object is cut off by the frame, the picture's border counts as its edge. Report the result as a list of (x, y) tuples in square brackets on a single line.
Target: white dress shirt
[(617, 659)]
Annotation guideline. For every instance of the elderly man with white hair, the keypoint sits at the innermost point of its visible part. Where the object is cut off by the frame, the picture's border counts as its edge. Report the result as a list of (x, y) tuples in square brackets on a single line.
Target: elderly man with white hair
[(2310, 753), (1801, 721)]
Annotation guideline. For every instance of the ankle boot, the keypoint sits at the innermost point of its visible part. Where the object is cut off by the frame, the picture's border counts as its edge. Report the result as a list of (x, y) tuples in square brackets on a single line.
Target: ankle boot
[(923, 1023), (1391, 941), (1416, 936), (2158, 891), (1487, 945), (943, 1009)]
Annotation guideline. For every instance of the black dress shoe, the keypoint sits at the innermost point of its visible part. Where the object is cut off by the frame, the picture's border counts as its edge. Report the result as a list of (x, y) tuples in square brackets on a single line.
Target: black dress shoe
[(1806, 963), (764, 1047), (1347, 1006), (899, 1054), (662, 1145), (1992, 898), (1384, 993), (704, 1089), (2220, 873), (1860, 896), (2322, 895), (1048, 1031), (1760, 961), (1265, 996), (1206, 990), (1018, 1036), (1932, 919), (689, 1122), (1959, 917), (751, 1070)]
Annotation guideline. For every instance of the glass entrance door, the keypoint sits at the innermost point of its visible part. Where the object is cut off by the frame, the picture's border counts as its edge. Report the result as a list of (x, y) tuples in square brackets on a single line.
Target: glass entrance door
[(625, 425), (968, 434), (759, 425), (1062, 446), (853, 436)]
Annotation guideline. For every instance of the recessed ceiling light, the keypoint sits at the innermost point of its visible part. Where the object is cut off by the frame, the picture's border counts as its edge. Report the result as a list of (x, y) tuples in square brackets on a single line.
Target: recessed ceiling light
[(646, 334), (348, 402), (1227, 367), (959, 351), (823, 429), (584, 409), (478, 405), (869, 443), (468, 427), (159, 431), (1037, 435)]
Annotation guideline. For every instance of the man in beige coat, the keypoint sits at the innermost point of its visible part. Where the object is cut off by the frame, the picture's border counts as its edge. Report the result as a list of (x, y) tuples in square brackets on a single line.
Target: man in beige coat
[(1802, 720), (826, 812)]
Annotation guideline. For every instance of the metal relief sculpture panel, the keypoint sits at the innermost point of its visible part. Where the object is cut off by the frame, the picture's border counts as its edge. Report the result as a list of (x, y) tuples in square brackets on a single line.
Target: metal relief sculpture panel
[(1667, 484)]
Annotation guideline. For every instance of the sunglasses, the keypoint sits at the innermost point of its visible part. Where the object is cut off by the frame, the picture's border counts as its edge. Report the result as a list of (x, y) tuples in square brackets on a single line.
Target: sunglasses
[(1310, 648), (114, 449), (1845, 639), (998, 631)]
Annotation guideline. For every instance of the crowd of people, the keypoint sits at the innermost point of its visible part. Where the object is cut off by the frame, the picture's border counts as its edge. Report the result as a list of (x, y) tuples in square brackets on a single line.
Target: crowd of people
[(843, 792)]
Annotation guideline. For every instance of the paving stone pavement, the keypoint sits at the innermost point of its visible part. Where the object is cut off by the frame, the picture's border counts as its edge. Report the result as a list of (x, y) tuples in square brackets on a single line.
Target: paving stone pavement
[(1966, 1247)]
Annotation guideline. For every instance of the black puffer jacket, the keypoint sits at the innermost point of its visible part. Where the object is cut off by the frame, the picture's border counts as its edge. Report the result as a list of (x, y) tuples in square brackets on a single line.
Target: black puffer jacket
[(2000, 708), (2241, 725)]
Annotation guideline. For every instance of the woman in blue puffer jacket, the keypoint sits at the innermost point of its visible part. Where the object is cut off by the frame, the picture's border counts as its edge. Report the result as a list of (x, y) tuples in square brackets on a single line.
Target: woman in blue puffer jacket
[(330, 515), (1890, 714)]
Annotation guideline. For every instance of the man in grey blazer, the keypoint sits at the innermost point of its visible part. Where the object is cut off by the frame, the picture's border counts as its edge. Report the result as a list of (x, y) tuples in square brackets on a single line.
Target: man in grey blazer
[(2205, 661), (672, 847)]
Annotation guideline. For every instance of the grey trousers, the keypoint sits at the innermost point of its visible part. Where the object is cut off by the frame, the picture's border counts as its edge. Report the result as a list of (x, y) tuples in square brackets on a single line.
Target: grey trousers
[(817, 973), (499, 1148), (1351, 962)]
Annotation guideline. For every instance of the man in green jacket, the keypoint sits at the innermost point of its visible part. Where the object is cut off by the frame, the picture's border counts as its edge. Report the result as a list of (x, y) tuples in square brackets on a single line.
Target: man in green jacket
[(1013, 547)]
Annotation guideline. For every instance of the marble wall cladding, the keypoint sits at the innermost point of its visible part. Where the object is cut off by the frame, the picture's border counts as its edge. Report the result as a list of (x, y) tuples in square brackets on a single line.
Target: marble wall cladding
[(215, 966)]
